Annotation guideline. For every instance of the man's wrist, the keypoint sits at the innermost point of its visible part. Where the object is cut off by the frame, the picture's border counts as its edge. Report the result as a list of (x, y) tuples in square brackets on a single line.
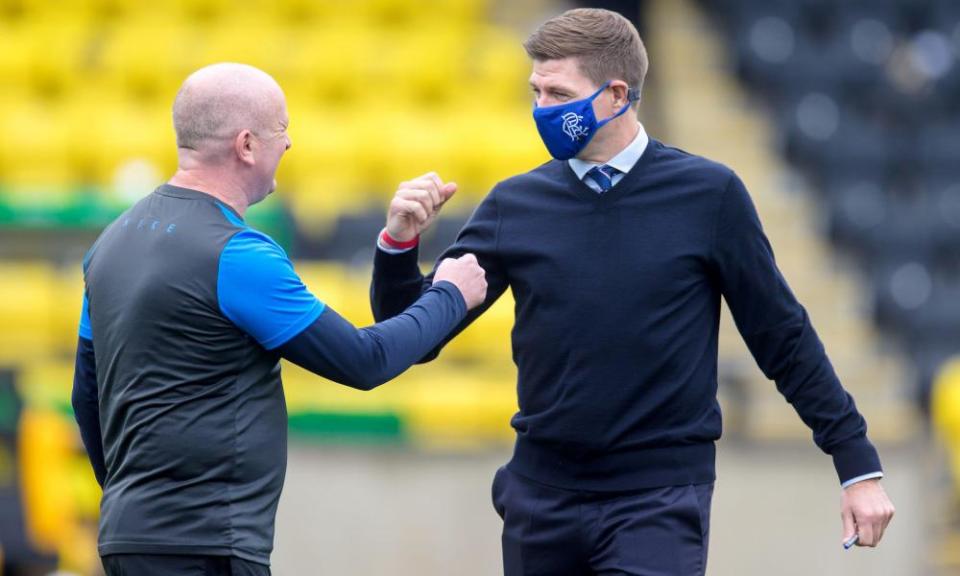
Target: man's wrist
[(862, 478), (388, 241)]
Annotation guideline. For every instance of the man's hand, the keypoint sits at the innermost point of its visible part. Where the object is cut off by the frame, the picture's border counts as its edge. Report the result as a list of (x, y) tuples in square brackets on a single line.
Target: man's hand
[(416, 204), (466, 274), (866, 511)]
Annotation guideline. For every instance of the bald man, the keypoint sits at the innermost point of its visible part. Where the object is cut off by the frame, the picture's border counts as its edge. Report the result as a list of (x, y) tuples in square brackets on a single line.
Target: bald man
[(186, 314)]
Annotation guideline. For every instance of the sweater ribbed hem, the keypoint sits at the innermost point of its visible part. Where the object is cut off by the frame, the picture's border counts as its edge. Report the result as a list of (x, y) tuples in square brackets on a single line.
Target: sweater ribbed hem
[(622, 471)]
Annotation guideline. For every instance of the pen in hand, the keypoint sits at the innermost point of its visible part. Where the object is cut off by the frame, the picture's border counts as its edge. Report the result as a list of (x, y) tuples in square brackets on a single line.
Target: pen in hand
[(851, 541)]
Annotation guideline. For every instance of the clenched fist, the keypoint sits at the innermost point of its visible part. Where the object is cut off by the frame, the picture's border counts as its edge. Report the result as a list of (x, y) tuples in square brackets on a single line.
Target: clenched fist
[(466, 274), (416, 204), (866, 511)]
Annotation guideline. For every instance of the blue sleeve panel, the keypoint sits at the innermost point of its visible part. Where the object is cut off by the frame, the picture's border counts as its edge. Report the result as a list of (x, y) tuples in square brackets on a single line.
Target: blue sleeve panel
[(259, 291), (86, 405), (86, 331), (331, 347)]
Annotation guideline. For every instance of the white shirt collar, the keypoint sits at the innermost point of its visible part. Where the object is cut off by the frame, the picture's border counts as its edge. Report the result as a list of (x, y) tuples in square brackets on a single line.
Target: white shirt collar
[(623, 161)]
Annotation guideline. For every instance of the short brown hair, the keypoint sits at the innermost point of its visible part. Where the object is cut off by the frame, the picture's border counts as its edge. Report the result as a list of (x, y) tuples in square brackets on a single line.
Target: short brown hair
[(606, 45)]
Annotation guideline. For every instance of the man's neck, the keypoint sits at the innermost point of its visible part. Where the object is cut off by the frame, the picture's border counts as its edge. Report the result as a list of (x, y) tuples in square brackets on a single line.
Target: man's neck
[(601, 150), (216, 183)]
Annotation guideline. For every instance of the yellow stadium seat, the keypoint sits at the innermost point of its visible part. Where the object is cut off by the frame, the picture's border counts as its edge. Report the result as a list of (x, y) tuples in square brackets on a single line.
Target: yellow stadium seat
[(945, 412), (314, 15), (379, 91), (248, 39), (148, 59), (425, 69), (59, 56), (132, 132), (34, 150), (16, 48), (413, 142), (498, 69), (487, 341), (509, 145), (321, 174), (343, 289), (46, 443), (448, 408), (337, 66), (27, 300)]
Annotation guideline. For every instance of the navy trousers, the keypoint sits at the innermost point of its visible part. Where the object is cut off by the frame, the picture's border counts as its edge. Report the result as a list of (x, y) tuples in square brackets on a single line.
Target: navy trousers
[(553, 532)]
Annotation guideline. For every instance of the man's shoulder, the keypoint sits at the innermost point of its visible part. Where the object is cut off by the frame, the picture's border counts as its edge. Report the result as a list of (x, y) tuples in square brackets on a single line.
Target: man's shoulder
[(693, 166), (550, 172), (254, 243)]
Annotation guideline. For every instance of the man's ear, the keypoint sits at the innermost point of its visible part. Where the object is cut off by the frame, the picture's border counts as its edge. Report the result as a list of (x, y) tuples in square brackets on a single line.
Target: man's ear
[(620, 93), (243, 147)]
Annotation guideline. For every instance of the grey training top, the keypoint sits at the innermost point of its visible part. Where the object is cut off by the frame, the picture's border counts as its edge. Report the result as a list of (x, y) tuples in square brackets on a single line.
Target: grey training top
[(185, 329)]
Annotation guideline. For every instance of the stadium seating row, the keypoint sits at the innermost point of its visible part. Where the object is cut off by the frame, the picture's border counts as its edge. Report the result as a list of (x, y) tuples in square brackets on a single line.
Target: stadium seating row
[(377, 94), (147, 60), (339, 161), (865, 94), (286, 12)]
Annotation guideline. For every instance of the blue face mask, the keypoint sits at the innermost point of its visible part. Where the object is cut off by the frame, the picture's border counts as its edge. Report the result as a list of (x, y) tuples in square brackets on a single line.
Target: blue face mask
[(567, 128)]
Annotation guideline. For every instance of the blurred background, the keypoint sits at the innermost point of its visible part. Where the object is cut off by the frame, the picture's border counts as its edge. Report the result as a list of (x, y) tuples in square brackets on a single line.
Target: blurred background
[(842, 117)]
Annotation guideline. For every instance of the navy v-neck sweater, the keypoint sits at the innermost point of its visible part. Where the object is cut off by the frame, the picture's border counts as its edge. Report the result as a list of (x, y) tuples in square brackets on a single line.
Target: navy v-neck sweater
[(617, 314)]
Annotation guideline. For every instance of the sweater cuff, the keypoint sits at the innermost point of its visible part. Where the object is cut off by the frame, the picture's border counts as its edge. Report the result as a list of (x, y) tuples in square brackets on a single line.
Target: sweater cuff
[(397, 265), (855, 457)]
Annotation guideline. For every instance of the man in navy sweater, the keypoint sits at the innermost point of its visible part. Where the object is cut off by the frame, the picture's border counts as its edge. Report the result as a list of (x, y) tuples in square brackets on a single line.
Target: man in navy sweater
[(618, 252)]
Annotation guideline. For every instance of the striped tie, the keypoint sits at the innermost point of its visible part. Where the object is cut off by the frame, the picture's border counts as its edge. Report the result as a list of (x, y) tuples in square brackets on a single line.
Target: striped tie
[(603, 176)]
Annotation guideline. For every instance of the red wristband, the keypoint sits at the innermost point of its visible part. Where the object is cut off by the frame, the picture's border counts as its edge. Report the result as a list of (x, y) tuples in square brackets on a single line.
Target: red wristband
[(397, 244)]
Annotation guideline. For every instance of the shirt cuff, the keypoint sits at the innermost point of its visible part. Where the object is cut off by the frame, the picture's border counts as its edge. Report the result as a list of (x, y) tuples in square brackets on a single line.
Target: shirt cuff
[(870, 476)]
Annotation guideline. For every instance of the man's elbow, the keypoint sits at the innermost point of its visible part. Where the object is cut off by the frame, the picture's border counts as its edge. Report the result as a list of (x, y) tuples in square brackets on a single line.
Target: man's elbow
[(430, 357), (370, 384), (363, 376)]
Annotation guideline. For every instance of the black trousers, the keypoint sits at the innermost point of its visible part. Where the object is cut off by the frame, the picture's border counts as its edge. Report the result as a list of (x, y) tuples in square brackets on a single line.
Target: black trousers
[(173, 565), (549, 531)]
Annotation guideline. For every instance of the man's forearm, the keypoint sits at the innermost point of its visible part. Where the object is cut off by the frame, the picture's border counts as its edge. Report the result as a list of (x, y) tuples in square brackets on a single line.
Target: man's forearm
[(368, 357), (397, 283)]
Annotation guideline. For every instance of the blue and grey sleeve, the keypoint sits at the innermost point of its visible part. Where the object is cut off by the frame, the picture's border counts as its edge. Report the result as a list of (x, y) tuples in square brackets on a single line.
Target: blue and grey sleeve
[(259, 291), (781, 338), (85, 397)]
